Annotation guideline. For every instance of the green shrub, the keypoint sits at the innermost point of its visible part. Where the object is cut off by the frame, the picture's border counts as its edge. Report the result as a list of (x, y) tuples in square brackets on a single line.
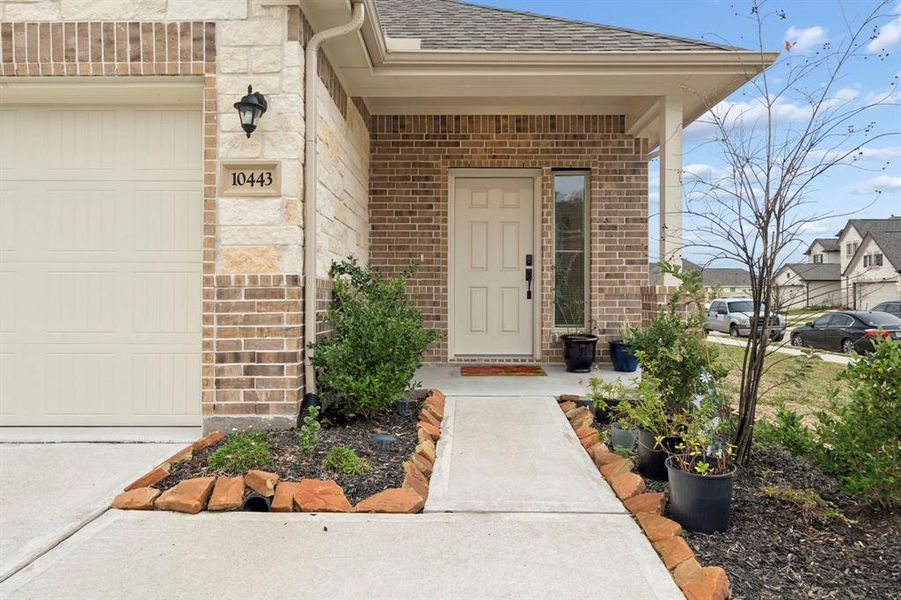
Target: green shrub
[(342, 459), (673, 348), (309, 431), (860, 441), (242, 451), (787, 430), (378, 341)]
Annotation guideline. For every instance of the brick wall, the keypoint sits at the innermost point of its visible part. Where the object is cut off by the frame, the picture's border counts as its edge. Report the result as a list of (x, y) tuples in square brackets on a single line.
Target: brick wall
[(258, 328), (408, 205)]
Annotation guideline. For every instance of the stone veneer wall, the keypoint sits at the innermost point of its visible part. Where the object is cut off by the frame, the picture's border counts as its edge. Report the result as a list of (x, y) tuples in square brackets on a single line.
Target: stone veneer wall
[(252, 247), (408, 207)]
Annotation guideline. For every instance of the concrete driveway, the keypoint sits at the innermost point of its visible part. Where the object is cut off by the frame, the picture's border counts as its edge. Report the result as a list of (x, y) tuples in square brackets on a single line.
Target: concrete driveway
[(52, 488)]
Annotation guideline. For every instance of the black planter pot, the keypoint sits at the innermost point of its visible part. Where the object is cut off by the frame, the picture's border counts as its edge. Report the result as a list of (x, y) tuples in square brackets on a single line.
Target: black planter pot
[(651, 457), (602, 415), (578, 351), (701, 503), (622, 357)]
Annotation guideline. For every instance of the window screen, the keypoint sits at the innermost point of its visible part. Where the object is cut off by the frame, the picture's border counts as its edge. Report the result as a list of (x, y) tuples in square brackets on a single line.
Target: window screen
[(570, 192)]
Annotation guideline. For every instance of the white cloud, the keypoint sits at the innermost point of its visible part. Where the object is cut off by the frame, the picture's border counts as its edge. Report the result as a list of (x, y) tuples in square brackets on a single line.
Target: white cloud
[(883, 183), (701, 171), (884, 153), (805, 40), (889, 35)]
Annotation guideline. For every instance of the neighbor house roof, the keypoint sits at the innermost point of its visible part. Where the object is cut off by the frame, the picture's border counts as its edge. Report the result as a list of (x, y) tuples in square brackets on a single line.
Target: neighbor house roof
[(710, 276), (828, 244), (453, 25), (816, 271), (863, 226)]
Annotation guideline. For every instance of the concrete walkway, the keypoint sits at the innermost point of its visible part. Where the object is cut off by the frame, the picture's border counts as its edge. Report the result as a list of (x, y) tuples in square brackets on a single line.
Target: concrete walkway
[(516, 510), (505, 454), (49, 491), (380, 557)]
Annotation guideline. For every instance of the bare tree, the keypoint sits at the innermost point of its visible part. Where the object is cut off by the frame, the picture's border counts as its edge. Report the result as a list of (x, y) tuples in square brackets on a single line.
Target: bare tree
[(755, 211)]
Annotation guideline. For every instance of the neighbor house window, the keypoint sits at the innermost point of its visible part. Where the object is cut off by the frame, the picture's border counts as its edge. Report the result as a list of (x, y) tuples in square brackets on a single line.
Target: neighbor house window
[(818, 259), (872, 260), (851, 248), (570, 222)]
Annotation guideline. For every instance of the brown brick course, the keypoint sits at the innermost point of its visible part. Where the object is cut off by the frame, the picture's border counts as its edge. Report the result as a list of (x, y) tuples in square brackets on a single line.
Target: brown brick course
[(411, 156), (257, 366)]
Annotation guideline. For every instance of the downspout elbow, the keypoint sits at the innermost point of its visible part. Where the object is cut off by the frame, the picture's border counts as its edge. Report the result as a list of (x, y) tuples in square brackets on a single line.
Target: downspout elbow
[(310, 178)]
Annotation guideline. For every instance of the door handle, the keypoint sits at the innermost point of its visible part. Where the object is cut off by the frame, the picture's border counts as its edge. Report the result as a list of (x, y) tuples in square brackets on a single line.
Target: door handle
[(529, 278)]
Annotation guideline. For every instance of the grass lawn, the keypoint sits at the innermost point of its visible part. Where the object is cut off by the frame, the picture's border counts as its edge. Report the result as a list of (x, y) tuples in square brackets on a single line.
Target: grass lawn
[(809, 394)]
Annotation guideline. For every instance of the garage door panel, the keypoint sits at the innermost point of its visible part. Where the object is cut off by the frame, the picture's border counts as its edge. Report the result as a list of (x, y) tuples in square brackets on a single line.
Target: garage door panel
[(10, 154), (8, 312), (80, 302), (87, 376), (158, 141), (168, 220), (79, 220), (167, 302), (159, 382), (102, 267), (82, 139), (9, 209), (8, 381)]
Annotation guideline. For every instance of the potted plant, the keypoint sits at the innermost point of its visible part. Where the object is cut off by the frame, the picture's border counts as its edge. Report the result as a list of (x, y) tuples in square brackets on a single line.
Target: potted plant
[(606, 398), (621, 352), (701, 473), (579, 350), (659, 430), (579, 343)]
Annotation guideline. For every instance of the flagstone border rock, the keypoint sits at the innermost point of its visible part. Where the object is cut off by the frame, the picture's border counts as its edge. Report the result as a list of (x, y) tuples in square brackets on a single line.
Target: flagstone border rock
[(695, 581), (223, 493)]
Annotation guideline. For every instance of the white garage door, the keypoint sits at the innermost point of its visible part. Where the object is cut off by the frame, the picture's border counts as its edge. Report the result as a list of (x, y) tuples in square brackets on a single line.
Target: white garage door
[(100, 265), (871, 294)]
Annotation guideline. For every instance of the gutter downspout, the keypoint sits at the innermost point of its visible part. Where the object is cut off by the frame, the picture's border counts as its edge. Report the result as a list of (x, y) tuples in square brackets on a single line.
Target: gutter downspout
[(310, 180)]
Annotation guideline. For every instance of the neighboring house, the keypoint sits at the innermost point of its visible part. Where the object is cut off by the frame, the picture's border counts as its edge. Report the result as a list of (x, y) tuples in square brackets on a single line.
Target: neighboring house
[(854, 269), (873, 274), (717, 281), (809, 285), (824, 251), (157, 262), (863, 281)]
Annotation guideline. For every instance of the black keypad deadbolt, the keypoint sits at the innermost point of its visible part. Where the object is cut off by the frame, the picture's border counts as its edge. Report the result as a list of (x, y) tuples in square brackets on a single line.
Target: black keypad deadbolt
[(529, 276)]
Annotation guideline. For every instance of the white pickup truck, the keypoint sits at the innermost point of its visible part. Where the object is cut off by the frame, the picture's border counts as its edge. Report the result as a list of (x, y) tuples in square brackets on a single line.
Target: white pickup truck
[(733, 316)]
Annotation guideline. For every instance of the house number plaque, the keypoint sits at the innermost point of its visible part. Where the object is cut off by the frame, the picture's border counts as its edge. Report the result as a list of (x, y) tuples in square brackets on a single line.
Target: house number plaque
[(250, 178)]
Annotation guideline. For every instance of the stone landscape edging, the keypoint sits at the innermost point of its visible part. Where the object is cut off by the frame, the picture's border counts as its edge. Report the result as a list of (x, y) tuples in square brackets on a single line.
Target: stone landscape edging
[(695, 581), (223, 493)]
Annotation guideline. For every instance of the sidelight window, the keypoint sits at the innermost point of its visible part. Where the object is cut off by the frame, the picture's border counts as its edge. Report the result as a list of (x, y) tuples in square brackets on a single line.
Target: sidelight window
[(570, 248)]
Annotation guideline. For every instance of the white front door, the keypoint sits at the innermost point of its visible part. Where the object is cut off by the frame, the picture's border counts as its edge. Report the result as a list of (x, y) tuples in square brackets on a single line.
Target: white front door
[(493, 235)]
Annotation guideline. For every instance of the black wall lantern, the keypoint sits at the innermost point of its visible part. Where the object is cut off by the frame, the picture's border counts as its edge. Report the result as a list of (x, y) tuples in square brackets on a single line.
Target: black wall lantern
[(250, 109)]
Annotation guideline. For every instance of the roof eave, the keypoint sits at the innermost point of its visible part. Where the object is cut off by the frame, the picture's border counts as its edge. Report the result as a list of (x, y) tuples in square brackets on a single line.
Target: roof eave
[(746, 61)]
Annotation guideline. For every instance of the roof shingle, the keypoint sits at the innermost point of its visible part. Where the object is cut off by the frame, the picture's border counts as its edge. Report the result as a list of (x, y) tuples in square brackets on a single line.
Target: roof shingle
[(454, 25), (817, 271)]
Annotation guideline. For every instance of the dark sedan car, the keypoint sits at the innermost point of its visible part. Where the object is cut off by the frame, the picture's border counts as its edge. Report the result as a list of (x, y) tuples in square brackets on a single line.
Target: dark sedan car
[(892, 308), (847, 330)]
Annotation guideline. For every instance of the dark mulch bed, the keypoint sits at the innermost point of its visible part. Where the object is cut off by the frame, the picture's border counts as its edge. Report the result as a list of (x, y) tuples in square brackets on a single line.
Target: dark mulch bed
[(385, 471), (774, 551)]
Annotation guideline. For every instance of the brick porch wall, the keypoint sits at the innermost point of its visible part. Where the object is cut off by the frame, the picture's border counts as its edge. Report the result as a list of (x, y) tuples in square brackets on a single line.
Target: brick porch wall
[(408, 205)]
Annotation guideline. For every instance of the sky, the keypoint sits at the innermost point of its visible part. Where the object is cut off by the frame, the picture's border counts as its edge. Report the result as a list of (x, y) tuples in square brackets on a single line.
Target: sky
[(808, 25)]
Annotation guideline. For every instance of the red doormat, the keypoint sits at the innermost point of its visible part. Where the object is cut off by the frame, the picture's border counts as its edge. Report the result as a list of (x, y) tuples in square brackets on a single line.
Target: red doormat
[(501, 370)]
